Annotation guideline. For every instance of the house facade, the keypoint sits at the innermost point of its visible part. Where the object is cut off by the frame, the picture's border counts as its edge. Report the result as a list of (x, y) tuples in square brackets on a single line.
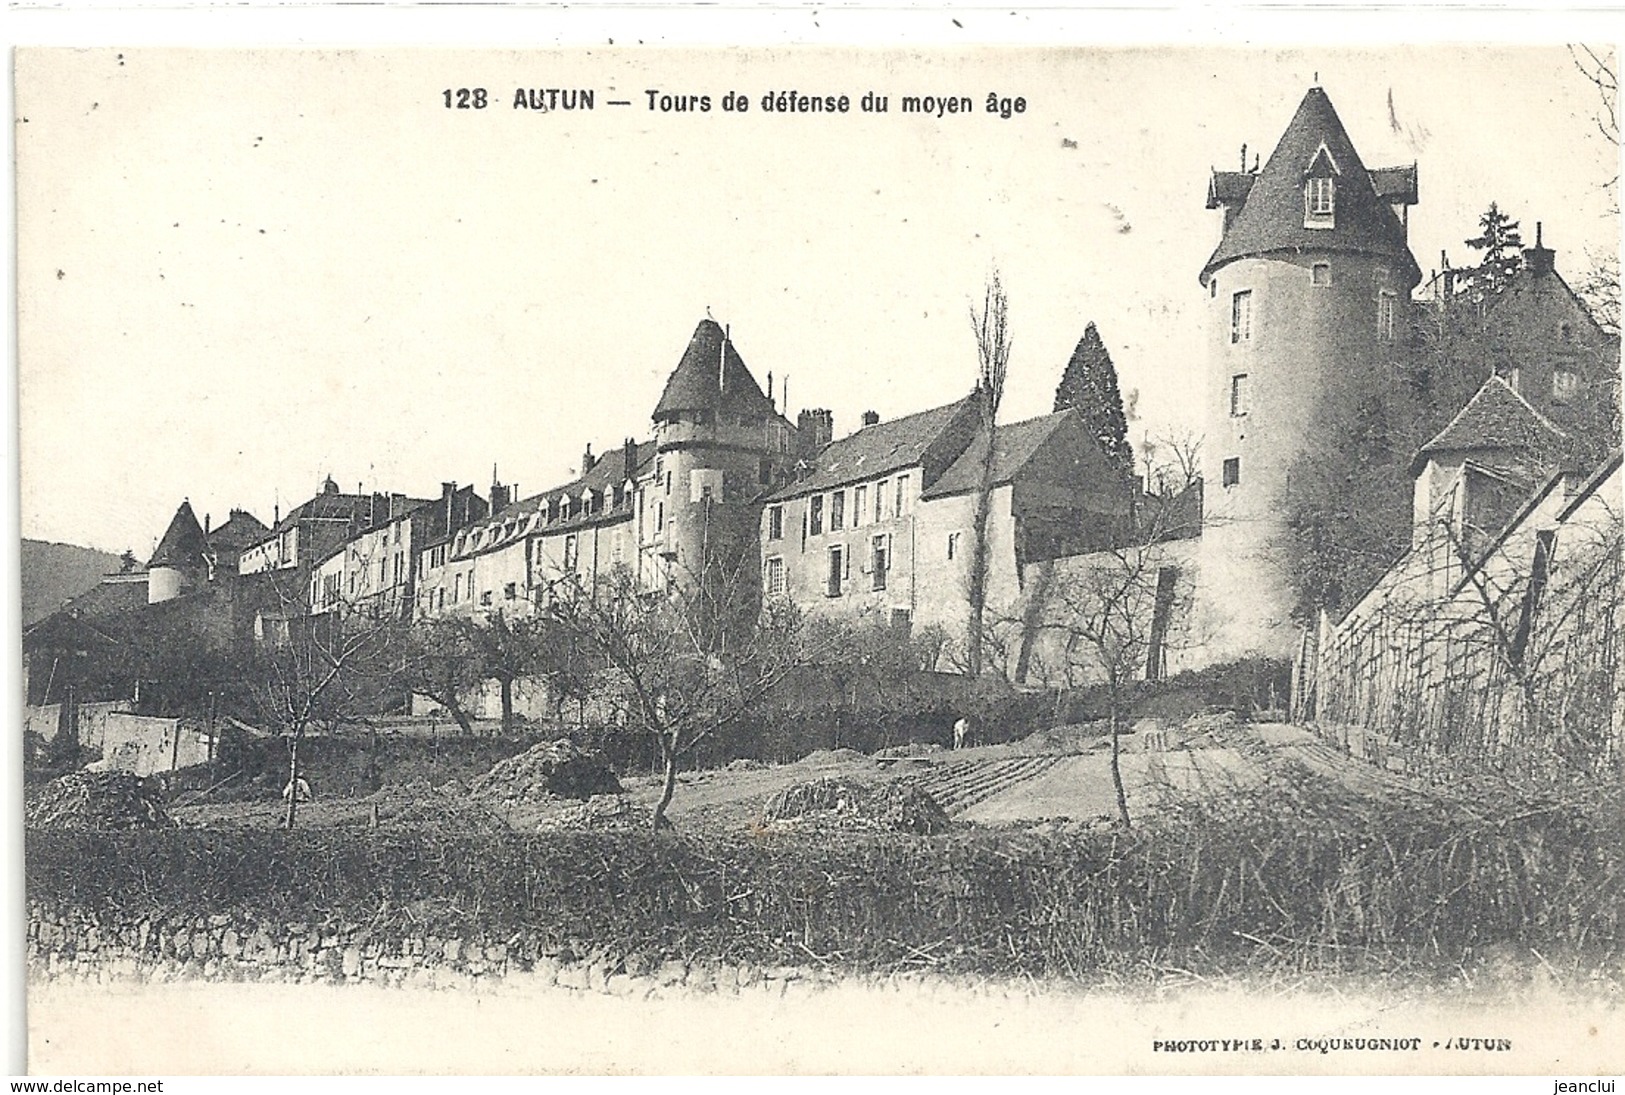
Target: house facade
[(378, 569)]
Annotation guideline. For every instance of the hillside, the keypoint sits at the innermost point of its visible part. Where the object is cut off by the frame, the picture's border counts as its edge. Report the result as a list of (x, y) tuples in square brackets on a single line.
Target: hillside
[(51, 573)]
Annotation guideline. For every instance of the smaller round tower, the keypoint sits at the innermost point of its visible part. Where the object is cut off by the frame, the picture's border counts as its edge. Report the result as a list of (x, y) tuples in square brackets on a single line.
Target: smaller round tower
[(181, 562)]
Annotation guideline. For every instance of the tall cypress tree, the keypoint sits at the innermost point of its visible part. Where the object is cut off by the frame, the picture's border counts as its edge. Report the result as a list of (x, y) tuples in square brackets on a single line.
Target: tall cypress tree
[(1090, 384)]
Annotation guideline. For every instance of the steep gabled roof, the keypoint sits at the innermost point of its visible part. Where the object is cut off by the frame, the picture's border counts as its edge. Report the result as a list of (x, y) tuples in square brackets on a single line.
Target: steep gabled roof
[(711, 377), (241, 530), (1013, 446), (1497, 417), (878, 450), (1271, 217), (183, 544)]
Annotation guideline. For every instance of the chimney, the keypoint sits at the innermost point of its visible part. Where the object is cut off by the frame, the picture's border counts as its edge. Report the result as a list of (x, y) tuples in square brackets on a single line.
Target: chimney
[(448, 491), (871, 418), (1539, 259), (587, 460), (629, 457), (770, 402), (205, 524), (814, 430)]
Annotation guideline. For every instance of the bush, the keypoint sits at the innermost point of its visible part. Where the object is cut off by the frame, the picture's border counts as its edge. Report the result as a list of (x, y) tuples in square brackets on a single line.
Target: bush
[(1291, 874)]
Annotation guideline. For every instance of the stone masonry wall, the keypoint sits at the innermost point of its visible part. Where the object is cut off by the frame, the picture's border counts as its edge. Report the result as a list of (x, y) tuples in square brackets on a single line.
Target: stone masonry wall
[(74, 945)]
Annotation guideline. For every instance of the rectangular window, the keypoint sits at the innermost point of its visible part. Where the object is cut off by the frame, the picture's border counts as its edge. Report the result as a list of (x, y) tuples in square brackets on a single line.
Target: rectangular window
[(572, 552), (1385, 316), (660, 516), (457, 588), (485, 598), (774, 579), (1321, 274), (880, 500), (764, 473), (880, 560), (1232, 471), (815, 515), (1241, 316), (837, 511), (860, 504), (510, 592), (837, 570), (953, 545), (1565, 385), (775, 522), (1238, 395), (897, 497)]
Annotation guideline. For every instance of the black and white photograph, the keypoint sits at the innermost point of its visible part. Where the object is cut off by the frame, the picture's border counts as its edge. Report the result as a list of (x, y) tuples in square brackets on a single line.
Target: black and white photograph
[(632, 559)]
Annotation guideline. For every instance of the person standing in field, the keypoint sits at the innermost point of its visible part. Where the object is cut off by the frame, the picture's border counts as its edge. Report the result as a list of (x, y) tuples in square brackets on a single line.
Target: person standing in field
[(961, 728)]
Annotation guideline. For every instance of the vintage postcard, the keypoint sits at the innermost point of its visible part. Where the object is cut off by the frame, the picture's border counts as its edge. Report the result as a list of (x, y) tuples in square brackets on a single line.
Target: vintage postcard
[(1024, 560)]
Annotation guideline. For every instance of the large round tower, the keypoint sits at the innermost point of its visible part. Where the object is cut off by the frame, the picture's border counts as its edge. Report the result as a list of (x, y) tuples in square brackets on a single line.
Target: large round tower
[(719, 444), (1307, 297)]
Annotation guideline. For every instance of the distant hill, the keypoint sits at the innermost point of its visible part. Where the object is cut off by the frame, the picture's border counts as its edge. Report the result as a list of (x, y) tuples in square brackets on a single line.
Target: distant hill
[(54, 572)]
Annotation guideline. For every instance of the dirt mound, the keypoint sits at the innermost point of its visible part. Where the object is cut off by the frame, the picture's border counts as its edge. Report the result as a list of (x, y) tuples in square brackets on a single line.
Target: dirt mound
[(1216, 729), (598, 812), (1075, 737), (98, 800), (897, 806), (830, 758), (552, 769), (913, 749)]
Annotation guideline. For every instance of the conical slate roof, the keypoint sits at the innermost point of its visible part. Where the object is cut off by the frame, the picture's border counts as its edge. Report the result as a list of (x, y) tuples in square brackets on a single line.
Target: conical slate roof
[(1496, 418), (183, 544), (1271, 217), (710, 377)]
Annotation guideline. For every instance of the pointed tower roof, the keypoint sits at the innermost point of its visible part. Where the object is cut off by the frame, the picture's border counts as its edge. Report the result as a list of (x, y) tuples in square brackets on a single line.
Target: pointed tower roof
[(711, 376), (183, 544), (1497, 418), (1271, 213)]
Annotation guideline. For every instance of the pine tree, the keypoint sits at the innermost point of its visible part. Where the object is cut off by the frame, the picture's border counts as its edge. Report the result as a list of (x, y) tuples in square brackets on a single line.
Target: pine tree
[(1502, 245), (1090, 384)]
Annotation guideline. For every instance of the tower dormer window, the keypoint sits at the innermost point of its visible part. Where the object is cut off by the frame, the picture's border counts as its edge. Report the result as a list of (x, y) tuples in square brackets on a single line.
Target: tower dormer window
[(1320, 191), (1320, 199)]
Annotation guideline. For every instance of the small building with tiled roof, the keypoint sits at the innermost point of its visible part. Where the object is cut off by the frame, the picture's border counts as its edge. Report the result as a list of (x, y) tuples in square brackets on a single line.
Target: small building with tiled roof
[(1473, 473)]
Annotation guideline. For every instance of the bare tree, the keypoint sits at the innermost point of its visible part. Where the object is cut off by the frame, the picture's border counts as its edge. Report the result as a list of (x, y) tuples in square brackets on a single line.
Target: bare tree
[(991, 326), (439, 661), (509, 650), (324, 672), (676, 664)]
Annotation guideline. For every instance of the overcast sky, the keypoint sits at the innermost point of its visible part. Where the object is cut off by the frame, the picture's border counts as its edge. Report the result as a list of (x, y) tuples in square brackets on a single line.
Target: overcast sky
[(240, 272)]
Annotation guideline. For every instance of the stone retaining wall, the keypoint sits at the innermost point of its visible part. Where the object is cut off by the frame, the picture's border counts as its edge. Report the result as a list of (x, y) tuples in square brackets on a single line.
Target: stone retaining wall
[(223, 947)]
